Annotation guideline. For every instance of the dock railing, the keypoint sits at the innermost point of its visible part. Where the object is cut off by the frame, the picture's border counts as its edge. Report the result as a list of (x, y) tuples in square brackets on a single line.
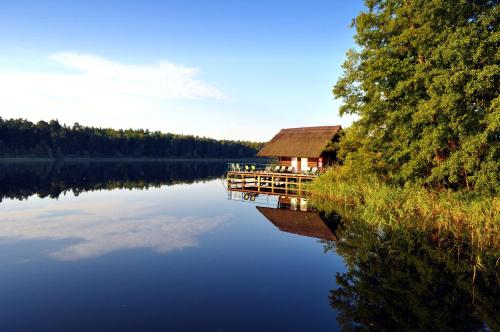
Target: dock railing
[(248, 167), (268, 168)]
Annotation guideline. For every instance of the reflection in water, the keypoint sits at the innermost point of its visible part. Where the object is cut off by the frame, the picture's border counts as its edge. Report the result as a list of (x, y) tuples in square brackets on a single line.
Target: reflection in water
[(391, 281), (306, 222), (403, 281), (21, 180), (96, 226), (101, 229), (291, 214), (397, 280), (95, 236)]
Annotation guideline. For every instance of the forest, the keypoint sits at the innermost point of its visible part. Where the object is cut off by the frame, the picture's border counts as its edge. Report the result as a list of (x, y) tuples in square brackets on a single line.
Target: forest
[(23, 138)]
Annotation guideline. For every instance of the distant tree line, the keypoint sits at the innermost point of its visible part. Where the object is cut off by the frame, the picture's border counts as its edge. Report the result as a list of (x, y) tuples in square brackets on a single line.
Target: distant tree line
[(22, 138)]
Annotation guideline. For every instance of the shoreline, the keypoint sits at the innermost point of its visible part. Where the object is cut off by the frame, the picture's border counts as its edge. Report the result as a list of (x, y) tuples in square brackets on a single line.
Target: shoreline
[(122, 159)]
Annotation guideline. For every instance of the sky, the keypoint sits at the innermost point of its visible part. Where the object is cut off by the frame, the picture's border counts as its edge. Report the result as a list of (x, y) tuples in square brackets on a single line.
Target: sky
[(221, 69)]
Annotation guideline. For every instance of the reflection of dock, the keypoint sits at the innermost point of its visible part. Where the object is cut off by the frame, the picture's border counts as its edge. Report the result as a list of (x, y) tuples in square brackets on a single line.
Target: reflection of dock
[(291, 213), (305, 223)]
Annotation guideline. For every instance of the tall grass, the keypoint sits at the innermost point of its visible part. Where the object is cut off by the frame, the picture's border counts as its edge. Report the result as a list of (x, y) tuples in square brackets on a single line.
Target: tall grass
[(461, 215)]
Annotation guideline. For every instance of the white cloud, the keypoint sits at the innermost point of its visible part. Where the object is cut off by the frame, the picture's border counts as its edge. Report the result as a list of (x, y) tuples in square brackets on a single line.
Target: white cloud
[(90, 87)]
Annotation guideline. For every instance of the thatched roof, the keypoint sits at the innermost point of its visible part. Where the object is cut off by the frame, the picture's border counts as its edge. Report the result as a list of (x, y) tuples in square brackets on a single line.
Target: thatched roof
[(305, 223), (307, 142)]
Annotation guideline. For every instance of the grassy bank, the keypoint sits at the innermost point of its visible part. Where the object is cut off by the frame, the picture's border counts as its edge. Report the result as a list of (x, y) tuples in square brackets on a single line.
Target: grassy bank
[(460, 215)]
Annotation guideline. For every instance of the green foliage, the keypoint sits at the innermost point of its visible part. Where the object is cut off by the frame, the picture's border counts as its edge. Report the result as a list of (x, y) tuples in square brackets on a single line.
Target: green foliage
[(20, 137), (464, 217), (425, 85)]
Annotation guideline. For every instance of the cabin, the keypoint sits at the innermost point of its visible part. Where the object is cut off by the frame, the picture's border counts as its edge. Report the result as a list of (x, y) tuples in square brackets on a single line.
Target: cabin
[(301, 154), (303, 148)]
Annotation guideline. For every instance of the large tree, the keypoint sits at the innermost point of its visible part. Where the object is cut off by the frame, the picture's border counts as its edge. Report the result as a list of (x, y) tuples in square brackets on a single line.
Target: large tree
[(424, 82)]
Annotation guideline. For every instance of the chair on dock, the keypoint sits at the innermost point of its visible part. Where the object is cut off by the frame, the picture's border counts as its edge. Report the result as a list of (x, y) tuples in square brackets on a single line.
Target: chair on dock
[(252, 168), (237, 168), (247, 169)]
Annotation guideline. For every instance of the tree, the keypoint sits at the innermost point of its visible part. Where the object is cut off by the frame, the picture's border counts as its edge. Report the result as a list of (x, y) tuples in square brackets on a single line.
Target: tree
[(425, 85), (24, 138)]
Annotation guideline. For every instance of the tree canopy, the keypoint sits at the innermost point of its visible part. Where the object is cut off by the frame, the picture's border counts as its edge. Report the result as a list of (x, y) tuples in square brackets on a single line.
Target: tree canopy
[(20, 137), (424, 83)]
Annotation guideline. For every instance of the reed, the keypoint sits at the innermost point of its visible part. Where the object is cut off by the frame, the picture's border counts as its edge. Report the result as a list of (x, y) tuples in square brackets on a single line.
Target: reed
[(463, 216)]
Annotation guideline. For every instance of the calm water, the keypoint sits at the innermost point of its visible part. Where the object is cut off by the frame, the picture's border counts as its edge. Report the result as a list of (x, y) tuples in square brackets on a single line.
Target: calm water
[(161, 247)]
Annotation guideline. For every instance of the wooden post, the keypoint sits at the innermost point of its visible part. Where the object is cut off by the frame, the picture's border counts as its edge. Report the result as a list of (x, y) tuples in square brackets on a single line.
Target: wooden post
[(272, 184), (286, 184), (258, 182)]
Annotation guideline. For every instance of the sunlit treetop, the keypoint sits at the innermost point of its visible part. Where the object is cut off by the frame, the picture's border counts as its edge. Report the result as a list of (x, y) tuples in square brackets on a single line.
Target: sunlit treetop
[(425, 83)]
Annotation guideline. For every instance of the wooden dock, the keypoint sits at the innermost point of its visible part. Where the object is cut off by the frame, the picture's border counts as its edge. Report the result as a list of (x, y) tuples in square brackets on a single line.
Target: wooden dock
[(271, 183)]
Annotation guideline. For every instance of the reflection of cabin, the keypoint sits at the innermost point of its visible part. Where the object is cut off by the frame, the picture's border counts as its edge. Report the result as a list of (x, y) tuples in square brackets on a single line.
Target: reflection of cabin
[(292, 203), (302, 148), (305, 223)]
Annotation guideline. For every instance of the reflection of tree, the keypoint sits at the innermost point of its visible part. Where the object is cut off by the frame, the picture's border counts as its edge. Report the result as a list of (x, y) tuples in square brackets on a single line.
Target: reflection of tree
[(404, 282), (21, 180)]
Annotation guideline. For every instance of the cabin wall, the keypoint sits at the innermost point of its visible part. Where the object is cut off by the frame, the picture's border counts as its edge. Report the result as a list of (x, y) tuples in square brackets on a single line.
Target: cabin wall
[(312, 162), (285, 161)]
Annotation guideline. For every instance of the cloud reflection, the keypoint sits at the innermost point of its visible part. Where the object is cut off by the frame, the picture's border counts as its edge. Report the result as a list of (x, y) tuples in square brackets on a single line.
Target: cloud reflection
[(100, 232)]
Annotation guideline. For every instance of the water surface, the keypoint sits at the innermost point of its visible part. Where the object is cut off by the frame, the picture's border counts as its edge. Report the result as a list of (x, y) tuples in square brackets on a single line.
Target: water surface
[(162, 247)]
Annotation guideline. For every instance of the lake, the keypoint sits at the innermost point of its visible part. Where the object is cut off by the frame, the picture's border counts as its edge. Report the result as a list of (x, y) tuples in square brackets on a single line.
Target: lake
[(162, 246)]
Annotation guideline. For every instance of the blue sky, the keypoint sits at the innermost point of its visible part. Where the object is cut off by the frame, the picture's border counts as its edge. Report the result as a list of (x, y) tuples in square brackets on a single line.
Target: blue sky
[(224, 69)]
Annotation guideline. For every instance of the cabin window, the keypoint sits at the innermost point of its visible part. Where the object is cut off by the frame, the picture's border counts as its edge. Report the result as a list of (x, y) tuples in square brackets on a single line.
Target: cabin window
[(303, 164), (295, 165)]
